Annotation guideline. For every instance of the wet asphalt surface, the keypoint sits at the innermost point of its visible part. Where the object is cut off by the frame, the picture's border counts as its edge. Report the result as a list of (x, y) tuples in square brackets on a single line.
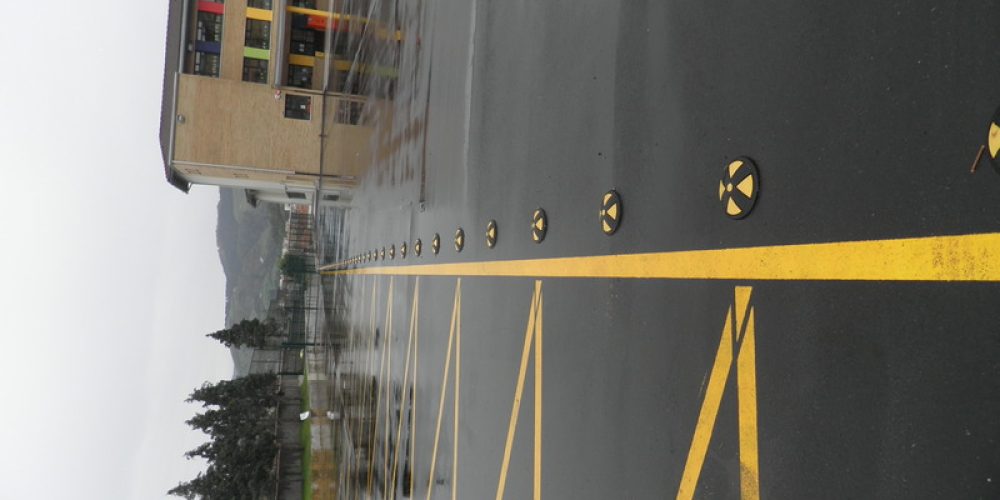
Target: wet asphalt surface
[(863, 120)]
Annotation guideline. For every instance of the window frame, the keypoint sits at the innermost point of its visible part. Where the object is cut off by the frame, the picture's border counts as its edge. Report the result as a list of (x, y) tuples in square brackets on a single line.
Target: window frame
[(298, 107), (262, 66), (257, 38), (202, 26), (293, 72)]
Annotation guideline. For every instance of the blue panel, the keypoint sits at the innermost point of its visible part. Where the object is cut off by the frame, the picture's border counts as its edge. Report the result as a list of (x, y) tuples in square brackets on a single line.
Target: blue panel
[(210, 47)]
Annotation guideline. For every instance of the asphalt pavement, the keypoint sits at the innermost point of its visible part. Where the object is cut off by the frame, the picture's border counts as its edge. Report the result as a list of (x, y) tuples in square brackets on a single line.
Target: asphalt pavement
[(826, 329)]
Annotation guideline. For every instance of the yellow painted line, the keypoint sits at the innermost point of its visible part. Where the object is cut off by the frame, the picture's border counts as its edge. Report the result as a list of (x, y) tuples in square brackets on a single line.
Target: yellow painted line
[(456, 398), (708, 413), (406, 381), (301, 60), (259, 14), (538, 393), (746, 377), (378, 399), (413, 407), (973, 257), (387, 383), (515, 410), (444, 385)]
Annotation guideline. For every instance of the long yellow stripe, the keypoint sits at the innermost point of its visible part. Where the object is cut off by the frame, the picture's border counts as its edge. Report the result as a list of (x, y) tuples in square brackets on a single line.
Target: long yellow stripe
[(406, 381), (515, 409), (746, 379), (538, 393), (387, 383), (444, 386), (974, 257), (378, 393), (709, 412), (456, 399)]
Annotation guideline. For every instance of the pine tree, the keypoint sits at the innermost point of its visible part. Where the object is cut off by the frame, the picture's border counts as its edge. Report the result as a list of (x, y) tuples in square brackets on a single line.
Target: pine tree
[(238, 418), (248, 332)]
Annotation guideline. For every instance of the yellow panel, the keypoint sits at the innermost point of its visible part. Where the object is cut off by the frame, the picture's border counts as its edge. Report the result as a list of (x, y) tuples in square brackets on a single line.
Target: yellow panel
[(607, 197), (259, 14), (994, 140), (722, 190), (613, 211), (301, 60), (746, 186)]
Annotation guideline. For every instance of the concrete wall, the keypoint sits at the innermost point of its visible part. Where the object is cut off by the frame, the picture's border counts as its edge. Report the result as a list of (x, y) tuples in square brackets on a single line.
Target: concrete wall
[(232, 122)]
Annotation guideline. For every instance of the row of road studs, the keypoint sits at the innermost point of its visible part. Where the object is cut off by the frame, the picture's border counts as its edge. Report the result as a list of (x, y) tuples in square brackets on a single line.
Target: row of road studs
[(739, 188)]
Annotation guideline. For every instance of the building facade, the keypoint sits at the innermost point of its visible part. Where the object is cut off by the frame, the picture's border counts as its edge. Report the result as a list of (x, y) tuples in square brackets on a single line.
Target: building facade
[(262, 95)]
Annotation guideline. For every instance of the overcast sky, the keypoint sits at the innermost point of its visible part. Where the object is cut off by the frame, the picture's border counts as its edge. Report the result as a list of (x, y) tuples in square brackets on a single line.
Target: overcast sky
[(109, 277)]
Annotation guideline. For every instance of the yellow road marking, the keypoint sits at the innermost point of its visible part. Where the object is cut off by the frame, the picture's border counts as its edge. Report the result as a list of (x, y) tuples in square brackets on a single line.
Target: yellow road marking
[(386, 381), (406, 380), (538, 394), (413, 410), (709, 411), (369, 367), (455, 312), (456, 398), (378, 399), (974, 257), (532, 330), (746, 370), (746, 396)]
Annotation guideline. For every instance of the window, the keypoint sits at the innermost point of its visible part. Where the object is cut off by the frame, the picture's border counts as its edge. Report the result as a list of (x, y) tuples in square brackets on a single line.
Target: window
[(296, 196), (209, 27), (258, 34), (298, 107), (345, 84), (309, 4), (349, 112), (341, 45), (300, 76), (254, 70), (304, 42), (206, 64), (259, 4)]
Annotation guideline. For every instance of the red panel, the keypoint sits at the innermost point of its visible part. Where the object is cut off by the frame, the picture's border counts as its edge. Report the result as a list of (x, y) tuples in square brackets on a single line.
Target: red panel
[(215, 8), (319, 23)]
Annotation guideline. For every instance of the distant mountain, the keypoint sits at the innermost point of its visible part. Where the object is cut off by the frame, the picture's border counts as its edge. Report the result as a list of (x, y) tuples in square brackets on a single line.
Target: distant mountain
[(249, 241)]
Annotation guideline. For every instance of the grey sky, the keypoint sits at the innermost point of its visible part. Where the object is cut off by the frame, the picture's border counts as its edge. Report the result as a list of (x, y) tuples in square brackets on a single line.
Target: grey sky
[(110, 277)]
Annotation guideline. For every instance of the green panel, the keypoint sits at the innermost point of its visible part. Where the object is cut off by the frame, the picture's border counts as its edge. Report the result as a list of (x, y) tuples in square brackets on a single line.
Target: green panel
[(254, 53)]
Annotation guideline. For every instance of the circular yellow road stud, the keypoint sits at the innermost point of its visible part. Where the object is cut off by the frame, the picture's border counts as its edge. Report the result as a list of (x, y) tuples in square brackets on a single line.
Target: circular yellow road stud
[(491, 234), (739, 187)]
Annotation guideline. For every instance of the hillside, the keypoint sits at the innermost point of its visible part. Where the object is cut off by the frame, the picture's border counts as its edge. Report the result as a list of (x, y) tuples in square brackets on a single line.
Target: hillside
[(249, 241)]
